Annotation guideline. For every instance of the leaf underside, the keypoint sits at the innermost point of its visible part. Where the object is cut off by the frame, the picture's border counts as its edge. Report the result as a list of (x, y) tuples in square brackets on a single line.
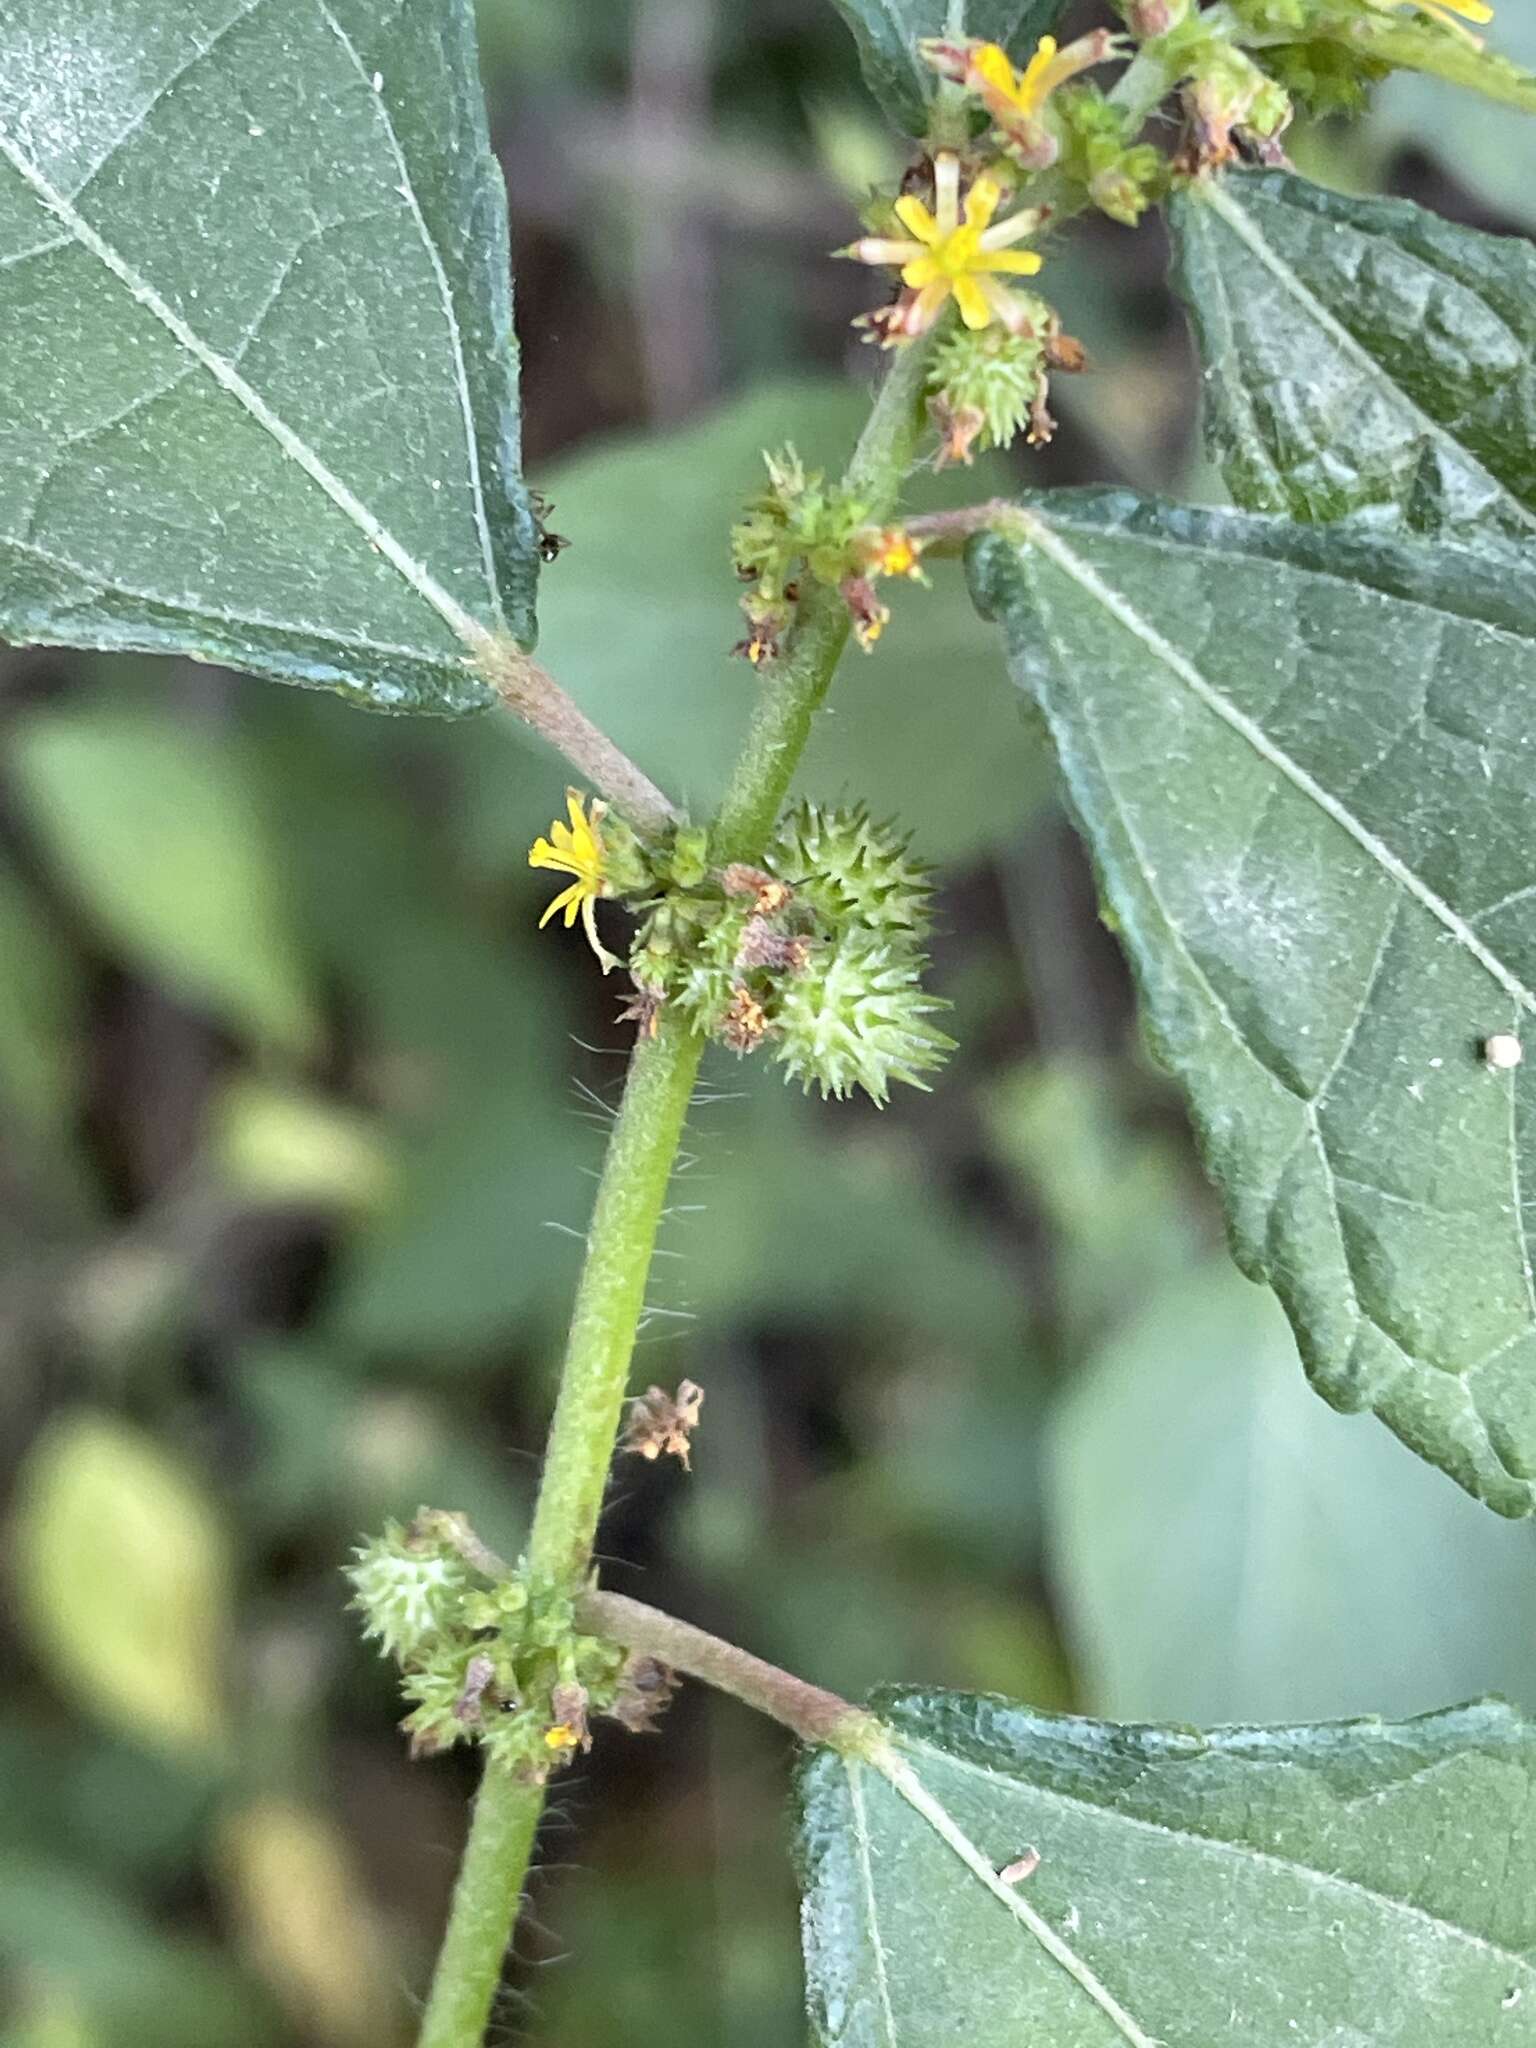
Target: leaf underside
[(1359, 1885), (889, 31), (1361, 355), (1274, 739), (260, 399)]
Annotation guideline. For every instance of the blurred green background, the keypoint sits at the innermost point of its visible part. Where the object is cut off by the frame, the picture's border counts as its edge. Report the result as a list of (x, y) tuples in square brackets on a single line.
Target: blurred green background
[(300, 1118)]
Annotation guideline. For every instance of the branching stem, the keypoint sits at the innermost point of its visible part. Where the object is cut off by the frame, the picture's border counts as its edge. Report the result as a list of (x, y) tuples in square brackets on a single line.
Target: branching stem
[(632, 1192), (815, 1715), (531, 693)]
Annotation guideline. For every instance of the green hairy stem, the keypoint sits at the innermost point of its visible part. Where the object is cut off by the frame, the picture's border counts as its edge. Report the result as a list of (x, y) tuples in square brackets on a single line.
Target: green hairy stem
[(631, 1198)]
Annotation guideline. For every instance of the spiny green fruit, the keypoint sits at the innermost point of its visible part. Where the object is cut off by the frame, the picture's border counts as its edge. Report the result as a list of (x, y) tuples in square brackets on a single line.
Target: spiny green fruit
[(849, 871), (994, 374), (856, 1017), (408, 1594)]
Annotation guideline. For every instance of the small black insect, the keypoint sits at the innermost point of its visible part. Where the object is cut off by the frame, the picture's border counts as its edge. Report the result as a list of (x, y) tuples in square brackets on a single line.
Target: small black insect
[(551, 545)]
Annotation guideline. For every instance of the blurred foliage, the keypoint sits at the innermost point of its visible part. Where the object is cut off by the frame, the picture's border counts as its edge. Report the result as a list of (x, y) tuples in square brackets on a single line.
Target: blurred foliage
[(299, 1114)]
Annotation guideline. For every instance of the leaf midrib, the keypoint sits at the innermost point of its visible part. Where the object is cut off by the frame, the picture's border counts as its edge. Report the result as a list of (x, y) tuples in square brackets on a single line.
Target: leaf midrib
[(1247, 230), (461, 622), (1449, 1930), (1179, 665)]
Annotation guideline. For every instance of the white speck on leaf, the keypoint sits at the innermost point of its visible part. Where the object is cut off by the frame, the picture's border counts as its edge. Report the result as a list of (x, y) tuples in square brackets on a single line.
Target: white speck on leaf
[(1502, 1050)]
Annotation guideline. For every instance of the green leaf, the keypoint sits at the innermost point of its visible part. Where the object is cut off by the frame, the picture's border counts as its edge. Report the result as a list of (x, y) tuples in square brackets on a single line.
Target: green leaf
[(1420, 44), (1265, 1560), (1303, 760), (1361, 354), (163, 834), (1363, 1883), (261, 401), (889, 31), (133, 1980), (40, 1000), (123, 1579), (1494, 153)]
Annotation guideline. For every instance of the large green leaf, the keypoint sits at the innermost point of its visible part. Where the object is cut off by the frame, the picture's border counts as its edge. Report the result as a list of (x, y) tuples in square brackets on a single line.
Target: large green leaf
[(260, 400), (1304, 760), (122, 1575), (132, 1980), (1265, 1559), (164, 835), (40, 1005), (889, 31), (1363, 1885), (1361, 354)]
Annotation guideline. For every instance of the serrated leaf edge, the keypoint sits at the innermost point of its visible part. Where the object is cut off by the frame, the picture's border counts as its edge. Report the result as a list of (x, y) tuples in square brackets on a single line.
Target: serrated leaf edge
[(1215, 196)]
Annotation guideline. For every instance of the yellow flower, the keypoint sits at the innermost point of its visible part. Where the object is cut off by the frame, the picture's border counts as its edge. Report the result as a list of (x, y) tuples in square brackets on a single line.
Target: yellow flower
[(1019, 92), (950, 257), (577, 851), (1016, 99), (895, 553), (1444, 12)]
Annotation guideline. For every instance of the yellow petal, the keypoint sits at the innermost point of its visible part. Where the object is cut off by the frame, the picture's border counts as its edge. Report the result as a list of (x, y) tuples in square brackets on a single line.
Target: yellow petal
[(972, 301), (1016, 262), (559, 903), (992, 66), (574, 805), (981, 202), (920, 271), (1030, 89), (917, 220)]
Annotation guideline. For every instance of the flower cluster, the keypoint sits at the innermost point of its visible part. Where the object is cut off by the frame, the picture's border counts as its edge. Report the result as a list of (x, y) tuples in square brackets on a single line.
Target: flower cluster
[(1019, 104), (958, 252), (799, 527), (1241, 67), (815, 957), (486, 1655)]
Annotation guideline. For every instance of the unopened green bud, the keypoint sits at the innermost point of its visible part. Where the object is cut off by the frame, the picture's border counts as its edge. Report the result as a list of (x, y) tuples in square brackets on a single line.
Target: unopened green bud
[(627, 871), (687, 862), (1148, 18)]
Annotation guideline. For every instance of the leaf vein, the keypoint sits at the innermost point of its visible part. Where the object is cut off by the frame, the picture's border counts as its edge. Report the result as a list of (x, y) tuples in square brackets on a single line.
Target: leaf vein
[(462, 623), (1444, 1930), (1179, 665)]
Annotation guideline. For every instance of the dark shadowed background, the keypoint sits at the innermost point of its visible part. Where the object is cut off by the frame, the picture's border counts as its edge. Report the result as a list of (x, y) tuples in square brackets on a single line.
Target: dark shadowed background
[(300, 1114)]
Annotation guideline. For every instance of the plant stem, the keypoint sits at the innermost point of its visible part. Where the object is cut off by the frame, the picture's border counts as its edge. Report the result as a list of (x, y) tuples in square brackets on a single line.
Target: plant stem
[(531, 693), (632, 1194), (486, 1898), (609, 1300), (946, 533), (815, 1715), (797, 683)]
